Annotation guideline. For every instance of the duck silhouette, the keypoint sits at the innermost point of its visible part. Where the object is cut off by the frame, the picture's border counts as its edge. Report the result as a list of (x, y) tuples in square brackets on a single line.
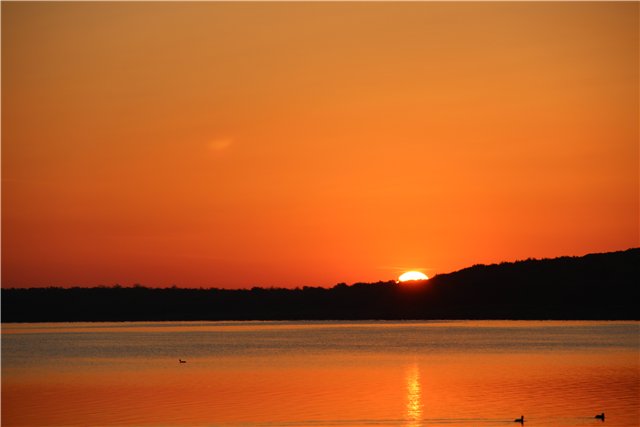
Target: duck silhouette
[(519, 420), (182, 361), (600, 417)]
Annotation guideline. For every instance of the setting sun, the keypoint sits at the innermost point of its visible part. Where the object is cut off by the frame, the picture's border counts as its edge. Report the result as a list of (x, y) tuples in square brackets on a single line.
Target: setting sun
[(412, 276)]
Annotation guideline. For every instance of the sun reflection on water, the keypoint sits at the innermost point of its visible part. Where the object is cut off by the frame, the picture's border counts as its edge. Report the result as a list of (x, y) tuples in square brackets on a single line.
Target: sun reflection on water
[(414, 396)]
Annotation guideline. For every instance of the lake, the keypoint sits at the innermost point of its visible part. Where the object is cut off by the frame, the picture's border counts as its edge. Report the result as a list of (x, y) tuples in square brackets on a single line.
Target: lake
[(432, 373)]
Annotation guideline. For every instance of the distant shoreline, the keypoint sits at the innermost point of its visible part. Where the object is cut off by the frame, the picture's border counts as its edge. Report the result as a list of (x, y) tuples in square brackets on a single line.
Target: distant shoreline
[(591, 287), (326, 321)]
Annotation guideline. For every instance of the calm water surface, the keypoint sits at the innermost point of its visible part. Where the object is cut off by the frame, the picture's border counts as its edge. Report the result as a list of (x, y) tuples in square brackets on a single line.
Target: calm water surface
[(448, 373)]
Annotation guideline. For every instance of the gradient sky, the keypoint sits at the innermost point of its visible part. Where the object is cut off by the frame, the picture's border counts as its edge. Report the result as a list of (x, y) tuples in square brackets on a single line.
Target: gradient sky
[(285, 144)]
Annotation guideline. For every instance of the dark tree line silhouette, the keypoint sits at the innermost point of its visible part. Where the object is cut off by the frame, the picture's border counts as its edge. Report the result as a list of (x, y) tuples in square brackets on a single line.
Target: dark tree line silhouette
[(596, 286)]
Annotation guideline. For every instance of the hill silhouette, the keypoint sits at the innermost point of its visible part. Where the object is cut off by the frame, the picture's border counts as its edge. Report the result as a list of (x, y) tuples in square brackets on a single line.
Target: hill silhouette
[(595, 286)]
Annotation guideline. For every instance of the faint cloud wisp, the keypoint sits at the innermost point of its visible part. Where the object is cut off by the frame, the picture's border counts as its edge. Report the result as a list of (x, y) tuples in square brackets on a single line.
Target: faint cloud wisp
[(220, 144)]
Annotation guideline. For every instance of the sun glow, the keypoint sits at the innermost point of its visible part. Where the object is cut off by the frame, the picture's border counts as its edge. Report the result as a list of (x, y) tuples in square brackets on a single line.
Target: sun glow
[(412, 275)]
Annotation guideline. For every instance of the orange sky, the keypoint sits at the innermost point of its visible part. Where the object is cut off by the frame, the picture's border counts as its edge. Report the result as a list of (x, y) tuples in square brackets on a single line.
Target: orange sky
[(285, 144)]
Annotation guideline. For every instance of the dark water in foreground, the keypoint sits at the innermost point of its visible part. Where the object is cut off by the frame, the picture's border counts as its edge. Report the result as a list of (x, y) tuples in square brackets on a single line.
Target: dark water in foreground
[(449, 373)]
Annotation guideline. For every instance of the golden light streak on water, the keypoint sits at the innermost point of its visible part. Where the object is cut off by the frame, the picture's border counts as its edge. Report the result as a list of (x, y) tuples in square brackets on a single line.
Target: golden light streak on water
[(414, 396)]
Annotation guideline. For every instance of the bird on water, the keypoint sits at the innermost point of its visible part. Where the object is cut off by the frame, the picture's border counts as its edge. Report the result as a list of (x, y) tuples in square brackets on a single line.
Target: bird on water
[(519, 420), (182, 361), (600, 416)]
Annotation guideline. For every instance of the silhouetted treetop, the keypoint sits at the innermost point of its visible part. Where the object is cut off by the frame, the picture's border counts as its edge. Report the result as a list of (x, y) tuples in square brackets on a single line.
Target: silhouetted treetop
[(595, 286)]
